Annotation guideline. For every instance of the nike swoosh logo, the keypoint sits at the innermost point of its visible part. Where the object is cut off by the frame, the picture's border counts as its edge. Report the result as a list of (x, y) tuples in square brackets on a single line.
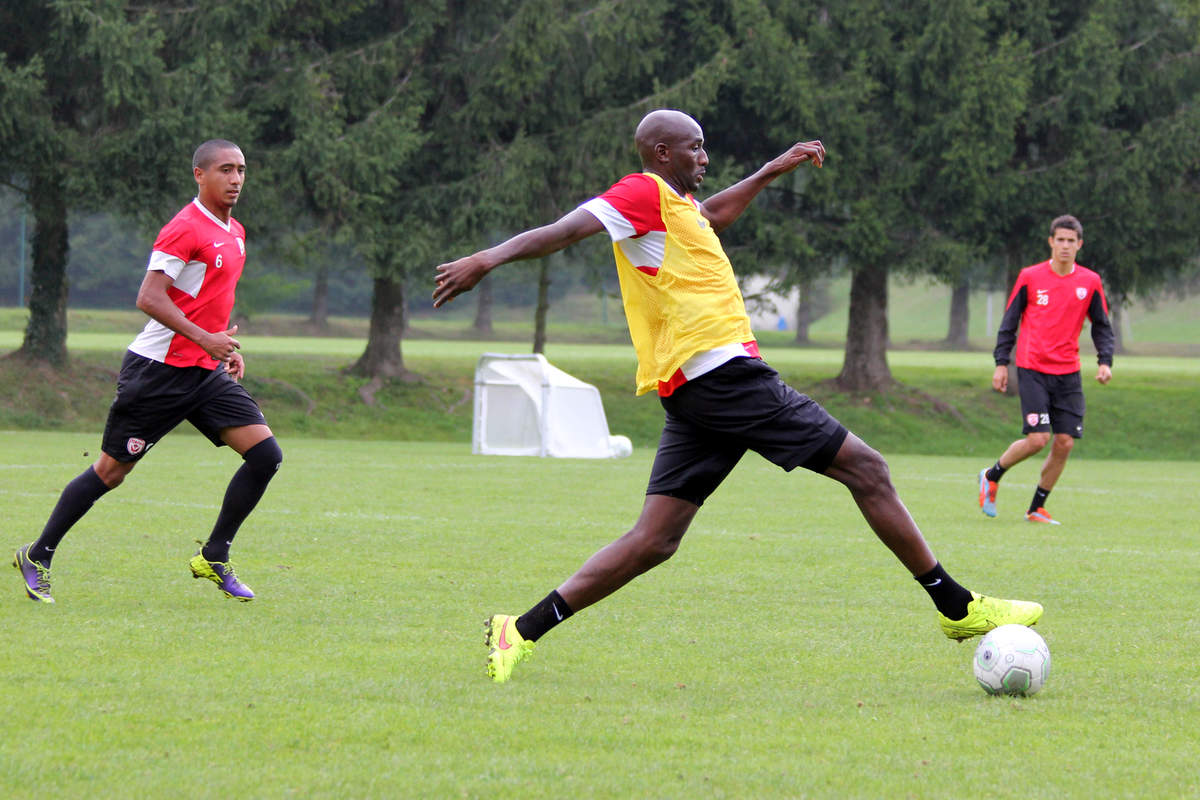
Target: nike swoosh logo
[(931, 585), (557, 613), (218, 244), (503, 643)]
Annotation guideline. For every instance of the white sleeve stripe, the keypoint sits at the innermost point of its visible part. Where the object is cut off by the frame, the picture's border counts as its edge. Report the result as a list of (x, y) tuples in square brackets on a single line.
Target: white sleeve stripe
[(172, 265), (646, 251), (613, 221)]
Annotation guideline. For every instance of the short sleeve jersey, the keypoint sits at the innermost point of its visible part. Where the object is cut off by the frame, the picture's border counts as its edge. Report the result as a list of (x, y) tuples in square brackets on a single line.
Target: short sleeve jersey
[(204, 256), (1050, 310), (685, 311)]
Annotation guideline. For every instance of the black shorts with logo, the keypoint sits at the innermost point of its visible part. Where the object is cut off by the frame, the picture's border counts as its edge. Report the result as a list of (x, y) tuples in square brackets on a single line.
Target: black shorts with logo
[(1051, 403), (153, 397), (741, 405)]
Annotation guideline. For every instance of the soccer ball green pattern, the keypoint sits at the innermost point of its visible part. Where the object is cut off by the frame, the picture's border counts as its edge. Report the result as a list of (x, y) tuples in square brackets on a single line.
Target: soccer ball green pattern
[(1012, 659)]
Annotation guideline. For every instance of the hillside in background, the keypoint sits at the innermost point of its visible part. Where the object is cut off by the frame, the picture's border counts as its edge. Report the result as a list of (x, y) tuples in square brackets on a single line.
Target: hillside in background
[(943, 403)]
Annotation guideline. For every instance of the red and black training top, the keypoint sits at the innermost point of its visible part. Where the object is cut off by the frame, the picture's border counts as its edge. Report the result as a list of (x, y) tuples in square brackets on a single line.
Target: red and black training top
[(1050, 310)]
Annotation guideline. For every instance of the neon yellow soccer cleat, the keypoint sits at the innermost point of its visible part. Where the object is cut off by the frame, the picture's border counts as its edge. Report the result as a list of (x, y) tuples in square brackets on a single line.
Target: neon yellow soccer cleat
[(506, 647), (985, 613)]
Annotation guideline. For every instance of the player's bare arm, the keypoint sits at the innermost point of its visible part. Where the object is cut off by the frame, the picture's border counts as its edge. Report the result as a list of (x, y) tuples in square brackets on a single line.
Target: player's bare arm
[(724, 207), (456, 277), (153, 300)]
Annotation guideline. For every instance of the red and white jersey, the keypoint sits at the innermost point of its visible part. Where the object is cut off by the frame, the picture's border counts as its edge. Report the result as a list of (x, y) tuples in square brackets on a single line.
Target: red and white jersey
[(205, 257)]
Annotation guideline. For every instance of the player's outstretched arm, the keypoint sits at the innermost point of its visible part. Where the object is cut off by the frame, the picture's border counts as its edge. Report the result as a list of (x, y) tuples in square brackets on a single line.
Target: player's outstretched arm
[(456, 277), (728, 204)]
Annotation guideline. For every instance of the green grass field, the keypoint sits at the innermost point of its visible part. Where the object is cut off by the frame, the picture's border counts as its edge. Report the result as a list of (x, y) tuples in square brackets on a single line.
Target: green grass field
[(781, 653)]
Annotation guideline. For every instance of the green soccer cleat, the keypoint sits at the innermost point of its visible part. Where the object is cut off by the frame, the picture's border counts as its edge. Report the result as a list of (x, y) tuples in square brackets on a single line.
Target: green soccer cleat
[(506, 647), (985, 613)]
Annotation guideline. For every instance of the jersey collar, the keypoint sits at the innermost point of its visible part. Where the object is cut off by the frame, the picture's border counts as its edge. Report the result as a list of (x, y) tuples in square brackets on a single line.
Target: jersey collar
[(224, 226)]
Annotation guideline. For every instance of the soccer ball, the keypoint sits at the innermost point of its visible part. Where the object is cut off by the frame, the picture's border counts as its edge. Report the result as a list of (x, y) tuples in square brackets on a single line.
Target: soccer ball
[(1012, 659)]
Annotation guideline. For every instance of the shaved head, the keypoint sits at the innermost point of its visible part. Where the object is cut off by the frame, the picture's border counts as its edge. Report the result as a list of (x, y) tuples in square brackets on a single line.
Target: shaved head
[(663, 126), (206, 153)]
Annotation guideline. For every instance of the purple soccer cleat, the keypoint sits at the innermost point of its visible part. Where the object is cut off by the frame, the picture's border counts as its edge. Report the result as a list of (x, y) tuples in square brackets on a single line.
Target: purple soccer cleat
[(221, 573), (36, 575)]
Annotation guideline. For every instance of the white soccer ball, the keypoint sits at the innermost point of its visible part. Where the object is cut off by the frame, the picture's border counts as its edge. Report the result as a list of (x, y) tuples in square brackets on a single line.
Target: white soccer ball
[(1012, 659)]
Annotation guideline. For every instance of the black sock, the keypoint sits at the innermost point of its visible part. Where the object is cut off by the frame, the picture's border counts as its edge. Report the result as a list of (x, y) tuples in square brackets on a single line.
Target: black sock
[(996, 472), (950, 598), (245, 490), (76, 498), (535, 622), (1039, 499)]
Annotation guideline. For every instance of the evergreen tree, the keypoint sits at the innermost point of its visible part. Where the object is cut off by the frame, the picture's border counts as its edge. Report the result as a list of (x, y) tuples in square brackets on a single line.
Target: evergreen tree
[(102, 106)]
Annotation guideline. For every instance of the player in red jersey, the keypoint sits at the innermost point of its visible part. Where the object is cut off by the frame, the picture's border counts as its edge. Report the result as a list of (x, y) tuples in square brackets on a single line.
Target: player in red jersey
[(1049, 302), (184, 365)]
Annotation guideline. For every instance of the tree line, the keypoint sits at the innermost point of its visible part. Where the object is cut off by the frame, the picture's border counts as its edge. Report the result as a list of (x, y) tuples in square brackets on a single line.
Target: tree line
[(401, 133)]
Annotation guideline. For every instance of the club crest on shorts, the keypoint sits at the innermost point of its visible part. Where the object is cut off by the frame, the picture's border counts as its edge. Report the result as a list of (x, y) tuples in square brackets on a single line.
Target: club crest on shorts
[(1080, 292), (1032, 419), (135, 445)]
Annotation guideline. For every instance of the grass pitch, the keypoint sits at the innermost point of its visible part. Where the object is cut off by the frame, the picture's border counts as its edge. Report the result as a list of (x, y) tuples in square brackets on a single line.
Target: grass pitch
[(782, 653)]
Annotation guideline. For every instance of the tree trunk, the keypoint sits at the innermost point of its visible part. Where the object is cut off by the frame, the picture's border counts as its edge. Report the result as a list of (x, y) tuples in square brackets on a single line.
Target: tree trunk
[(46, 333), (543, 306), (865, 367), (483, 309), (957, 337), (320, 300), (382, 358), (1014, 262), (804, 312)]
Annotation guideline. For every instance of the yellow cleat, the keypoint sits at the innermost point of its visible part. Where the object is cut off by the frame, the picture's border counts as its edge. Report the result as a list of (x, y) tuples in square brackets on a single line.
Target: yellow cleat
[(506, 647), (985, 613)]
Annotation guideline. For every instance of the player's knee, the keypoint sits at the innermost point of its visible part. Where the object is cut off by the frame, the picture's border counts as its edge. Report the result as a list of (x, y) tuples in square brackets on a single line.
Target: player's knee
[(655, 547), (1038, 439), (265, 458), (112, 472), (869, 471), (1063, 442), (659, 551)]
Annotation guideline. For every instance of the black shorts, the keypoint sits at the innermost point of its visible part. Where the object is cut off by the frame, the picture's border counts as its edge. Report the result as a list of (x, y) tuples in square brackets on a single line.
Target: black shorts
[(1051, 403), (741, 405), (153, 397)]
